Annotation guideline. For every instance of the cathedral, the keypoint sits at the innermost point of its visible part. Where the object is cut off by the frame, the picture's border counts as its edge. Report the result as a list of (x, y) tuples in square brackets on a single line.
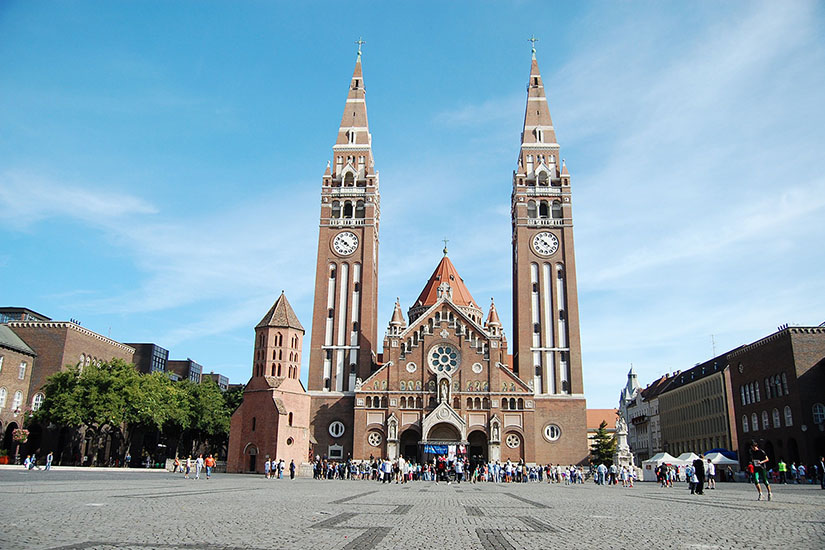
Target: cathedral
[(446, 380)]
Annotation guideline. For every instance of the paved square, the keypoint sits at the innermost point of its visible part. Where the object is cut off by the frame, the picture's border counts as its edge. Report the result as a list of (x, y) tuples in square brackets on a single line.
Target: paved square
[(85, 510)]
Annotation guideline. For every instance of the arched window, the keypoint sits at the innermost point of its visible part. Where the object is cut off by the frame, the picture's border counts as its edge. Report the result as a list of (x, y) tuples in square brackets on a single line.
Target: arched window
[(82, 359), (819, 413), (775, 415), (3, 394), (369, 402), (403, 402), (531, 209), (290, 419), (754, 422), (756, 389), (765, 421), (418, 403), (544, 210), (359, 209), (513, 403), (778, 383), (504, 404), (384, 402), (768, 389), (485, 403), (542, 177), (349, 180), (520, 404), (469, 403), (745, 423), (557, 210), (742, 394), (788, 416), (347, 209), (785, 384), (477, 403), (456, 403)]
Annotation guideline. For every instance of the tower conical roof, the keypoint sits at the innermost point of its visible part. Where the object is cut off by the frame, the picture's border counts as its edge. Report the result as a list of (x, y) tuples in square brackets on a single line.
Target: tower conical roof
[(445, 272), (397, 315), (281, 315), (492, 317), (354, 118), (537, 113)]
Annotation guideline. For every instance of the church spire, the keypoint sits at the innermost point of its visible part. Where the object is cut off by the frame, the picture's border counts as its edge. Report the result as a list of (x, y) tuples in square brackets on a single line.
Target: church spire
[(354, 128), (538, 126)]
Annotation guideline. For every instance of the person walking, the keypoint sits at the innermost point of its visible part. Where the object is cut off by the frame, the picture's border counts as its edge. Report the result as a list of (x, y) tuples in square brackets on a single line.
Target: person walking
[(210, 464), (198, 466), (759, 461), (292, 469), (188, 467), (267, 467), (783, 471), (49, 459), (710, 474), (699, 472)]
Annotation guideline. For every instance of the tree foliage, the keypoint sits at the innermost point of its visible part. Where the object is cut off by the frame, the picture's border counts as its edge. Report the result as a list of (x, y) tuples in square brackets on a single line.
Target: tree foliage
[(602, 446), (114, 395)]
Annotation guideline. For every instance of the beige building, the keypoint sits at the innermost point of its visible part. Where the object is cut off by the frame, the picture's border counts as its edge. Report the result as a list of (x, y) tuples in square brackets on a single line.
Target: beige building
[(695, 408)]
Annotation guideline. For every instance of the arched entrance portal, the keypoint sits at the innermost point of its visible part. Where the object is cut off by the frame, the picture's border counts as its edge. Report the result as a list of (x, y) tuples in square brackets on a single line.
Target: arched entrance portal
[(444, 433), (251, 453), (477, 448), (409, 445)]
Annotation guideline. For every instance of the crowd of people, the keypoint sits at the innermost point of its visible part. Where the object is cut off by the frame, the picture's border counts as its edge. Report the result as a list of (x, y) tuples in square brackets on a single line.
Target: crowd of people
[(446, 469), (198, 465), (613, 475)]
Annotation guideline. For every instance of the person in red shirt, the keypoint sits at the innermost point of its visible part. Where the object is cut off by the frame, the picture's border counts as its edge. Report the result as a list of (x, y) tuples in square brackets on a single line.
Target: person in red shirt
[(210, 463)]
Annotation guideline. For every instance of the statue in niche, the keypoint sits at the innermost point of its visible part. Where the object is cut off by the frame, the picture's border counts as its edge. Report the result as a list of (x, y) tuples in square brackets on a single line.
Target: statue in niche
[(443, 391), (495, 431)]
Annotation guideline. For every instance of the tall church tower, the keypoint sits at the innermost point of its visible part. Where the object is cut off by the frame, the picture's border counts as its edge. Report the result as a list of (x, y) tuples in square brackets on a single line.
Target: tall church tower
[(545, 304), (344, 328)]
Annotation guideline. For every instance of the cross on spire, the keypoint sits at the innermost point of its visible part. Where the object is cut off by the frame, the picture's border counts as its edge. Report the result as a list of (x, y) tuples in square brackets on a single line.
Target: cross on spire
[(360, 42), (445, 244), (533, 40)]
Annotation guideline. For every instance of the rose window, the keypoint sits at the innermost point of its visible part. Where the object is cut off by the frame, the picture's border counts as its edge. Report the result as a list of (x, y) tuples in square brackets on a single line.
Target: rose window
[(374, 439), (513, 441), (444, 358)]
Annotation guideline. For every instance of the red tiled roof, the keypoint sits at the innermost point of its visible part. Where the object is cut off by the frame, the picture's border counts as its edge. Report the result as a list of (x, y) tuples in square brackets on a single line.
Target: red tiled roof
[(446, 272), (596, 416)]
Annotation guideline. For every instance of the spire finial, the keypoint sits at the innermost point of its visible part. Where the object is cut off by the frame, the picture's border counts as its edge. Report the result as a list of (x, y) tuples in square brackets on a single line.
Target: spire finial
[(445, 245), (533, 41), (360, 42)]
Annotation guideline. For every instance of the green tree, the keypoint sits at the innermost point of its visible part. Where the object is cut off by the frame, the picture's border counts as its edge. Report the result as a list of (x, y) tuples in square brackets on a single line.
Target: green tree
[(602, 446)]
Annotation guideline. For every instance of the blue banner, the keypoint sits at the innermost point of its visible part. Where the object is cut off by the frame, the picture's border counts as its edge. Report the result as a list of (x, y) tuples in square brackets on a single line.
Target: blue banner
[(436, 449)]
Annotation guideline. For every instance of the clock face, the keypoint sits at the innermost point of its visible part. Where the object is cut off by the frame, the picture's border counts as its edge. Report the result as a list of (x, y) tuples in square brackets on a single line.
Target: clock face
[(545, 243), (345, 243)]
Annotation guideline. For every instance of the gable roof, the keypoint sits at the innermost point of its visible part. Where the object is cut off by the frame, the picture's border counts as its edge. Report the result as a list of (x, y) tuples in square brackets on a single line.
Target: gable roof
[(595, 417), (10, 340), (281, 315)]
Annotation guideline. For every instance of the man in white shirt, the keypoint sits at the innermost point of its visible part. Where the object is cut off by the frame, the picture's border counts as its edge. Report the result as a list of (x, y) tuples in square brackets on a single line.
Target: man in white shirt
[(198, 466), (710, 473)]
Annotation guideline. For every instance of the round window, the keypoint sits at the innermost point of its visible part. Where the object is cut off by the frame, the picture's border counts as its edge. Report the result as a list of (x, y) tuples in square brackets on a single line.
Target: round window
[(336, 429), (444, 358), (552, 432), (289, 441), (513, 441), (374, 439), (411, 367)]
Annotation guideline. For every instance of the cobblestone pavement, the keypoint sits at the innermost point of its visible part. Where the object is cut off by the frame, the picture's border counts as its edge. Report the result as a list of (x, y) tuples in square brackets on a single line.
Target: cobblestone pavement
[(138, 510)]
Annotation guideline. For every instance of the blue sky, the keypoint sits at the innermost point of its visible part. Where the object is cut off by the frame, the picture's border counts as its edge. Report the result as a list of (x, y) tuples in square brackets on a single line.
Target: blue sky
[(161, 162)]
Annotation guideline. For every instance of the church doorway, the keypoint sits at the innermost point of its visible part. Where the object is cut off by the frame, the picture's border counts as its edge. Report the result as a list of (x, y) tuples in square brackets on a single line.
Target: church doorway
[(409, 444), (477, 448), (251, 452), (444, 433)]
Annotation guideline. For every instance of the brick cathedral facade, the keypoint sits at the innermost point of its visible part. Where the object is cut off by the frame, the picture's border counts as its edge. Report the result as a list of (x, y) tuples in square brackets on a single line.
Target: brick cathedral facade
[(444, 378)]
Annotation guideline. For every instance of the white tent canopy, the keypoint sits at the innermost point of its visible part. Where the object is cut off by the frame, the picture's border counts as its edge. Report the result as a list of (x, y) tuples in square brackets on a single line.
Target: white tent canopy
[(649, 466), (686, 458), (721, 460)]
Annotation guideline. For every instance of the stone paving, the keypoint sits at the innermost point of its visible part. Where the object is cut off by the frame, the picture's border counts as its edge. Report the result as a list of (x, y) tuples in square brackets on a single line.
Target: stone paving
[(85, 510)]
